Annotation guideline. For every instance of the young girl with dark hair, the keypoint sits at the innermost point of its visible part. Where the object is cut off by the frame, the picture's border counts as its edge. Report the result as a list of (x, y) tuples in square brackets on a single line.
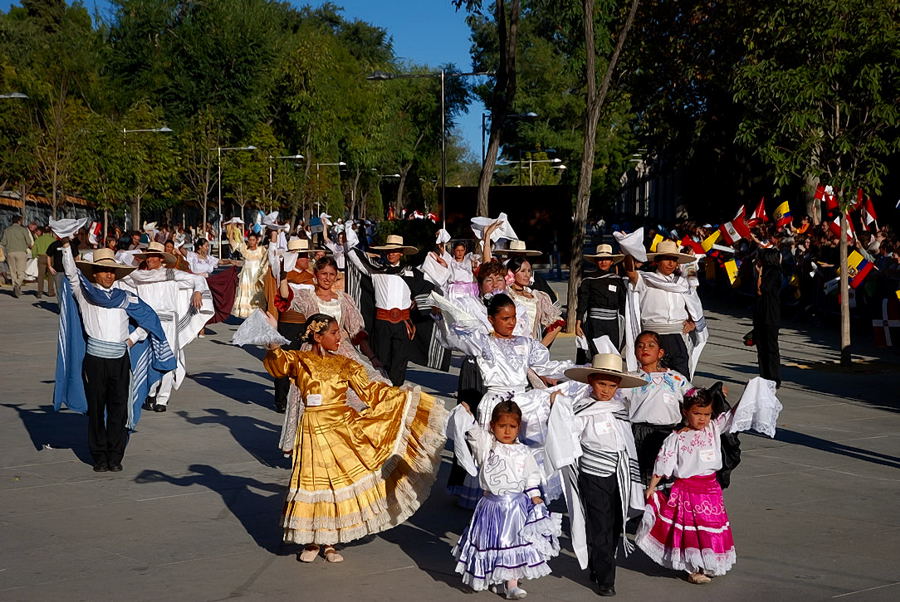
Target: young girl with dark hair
[(511, 535), (767, 314)]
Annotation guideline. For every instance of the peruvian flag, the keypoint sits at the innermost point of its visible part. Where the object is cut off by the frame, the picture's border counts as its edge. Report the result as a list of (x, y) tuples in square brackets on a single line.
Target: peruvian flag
[(859, 200), (94, 234), (868, 215), (735, 230), (759, 214), (835, 227), (826, 193)]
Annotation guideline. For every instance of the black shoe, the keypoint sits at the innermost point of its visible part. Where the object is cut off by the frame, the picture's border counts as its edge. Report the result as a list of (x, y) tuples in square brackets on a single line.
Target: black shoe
[(157, 407), (281, 409), (101, 467), (606, 590), (115, 467), (149, 404)]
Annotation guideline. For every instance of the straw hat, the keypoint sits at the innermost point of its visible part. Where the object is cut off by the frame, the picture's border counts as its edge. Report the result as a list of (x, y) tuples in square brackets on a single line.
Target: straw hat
[(517, 247), (104, 258), (394, 242), (670, 248), (299, 245), (156, 249), (607, 364), (605, 252)]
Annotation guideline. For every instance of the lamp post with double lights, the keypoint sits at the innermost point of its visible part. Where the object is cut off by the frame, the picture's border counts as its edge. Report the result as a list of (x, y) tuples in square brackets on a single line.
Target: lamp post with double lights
[(219, 150), (443, 75), (530, 162), (125, 131)]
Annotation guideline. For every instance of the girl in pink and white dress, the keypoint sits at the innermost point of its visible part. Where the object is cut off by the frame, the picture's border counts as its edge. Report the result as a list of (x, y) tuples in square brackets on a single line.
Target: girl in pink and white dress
[(689, 531)]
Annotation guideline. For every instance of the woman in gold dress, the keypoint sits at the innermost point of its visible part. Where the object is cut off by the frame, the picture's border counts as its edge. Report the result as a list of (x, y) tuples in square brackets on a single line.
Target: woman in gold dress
[(355, 473)]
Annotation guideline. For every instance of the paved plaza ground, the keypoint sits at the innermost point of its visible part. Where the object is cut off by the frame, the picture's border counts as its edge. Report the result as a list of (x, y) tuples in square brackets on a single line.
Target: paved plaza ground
[(195, 514)]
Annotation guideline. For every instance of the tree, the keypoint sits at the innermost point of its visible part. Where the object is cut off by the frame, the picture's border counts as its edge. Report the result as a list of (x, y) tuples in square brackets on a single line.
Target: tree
[(594, 104), (61, 129), (152, 165), (506, 20), (823, 105), (197, 144), (101, 165)]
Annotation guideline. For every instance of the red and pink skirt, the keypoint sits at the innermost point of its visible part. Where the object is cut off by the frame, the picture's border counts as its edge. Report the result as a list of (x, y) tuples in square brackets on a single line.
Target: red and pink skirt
[(689, 530)]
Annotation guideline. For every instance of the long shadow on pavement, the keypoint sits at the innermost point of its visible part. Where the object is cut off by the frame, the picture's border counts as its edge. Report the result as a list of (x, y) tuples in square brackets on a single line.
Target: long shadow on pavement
[(258, 437), (258, 512), (59, 430), (238, 389), (857, 453)]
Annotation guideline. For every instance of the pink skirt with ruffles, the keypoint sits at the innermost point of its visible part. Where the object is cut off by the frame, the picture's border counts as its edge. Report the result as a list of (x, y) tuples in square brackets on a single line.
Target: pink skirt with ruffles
[(689, 530)]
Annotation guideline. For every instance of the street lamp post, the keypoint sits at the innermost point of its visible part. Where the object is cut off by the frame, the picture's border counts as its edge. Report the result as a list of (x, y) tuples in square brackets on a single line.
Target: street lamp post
[(160, 130), (484, 116), (442, 74), (271, 179), (219, 150)]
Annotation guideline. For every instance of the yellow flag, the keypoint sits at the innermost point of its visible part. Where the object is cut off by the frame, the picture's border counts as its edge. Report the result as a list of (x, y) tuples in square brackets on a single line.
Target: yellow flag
[(897, 293), (710, 240), (731, 269), (656, 240)]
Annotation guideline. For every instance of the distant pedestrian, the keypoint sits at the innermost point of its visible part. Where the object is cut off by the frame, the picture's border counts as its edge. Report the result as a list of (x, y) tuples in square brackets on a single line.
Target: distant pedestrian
[(39, 252), (767, 314), (17, 242)]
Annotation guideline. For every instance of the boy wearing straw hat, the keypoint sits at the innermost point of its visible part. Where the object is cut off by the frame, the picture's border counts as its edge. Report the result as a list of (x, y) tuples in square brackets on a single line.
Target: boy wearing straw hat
[(97, 374), (669, 305), (182, 302), (601, 300), (589, 438), (393, 329)]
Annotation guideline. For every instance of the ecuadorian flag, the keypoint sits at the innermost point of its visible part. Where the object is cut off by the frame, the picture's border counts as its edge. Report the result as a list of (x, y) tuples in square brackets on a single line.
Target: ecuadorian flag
[(782, 214), (858, 268)]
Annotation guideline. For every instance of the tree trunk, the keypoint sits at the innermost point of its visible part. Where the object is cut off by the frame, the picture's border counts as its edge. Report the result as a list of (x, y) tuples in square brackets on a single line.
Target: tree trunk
[(400, 186), (504, 93), (136, 214), (593, 105), (813, 205), (846, 358)]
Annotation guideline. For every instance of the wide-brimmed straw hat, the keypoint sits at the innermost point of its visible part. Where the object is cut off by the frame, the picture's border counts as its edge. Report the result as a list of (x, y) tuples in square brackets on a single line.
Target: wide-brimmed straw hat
[(394, 242), (517, 247), (300, 245), (605, 252), (156, 249), (669, 248), (607, 364), (106, 259)]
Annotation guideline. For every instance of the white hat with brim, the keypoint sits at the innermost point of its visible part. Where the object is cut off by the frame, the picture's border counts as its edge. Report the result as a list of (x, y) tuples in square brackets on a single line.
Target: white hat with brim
[(606, 364), (605, 252), (156, 249), (234, 220), (300, 245), (517, 247), (104, 259), (669, 248), (394, 243)]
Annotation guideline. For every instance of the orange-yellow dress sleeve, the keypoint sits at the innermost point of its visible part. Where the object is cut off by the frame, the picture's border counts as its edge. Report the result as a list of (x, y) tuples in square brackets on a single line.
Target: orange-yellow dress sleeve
[(370, 391), (280, 363)]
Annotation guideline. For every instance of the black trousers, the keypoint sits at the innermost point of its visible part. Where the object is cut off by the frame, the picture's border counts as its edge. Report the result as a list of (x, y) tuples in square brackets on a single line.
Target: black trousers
[(603, 518), (106, 388), (291, 332), (594, 329), (391, 345), (765, 336), (676, 356)]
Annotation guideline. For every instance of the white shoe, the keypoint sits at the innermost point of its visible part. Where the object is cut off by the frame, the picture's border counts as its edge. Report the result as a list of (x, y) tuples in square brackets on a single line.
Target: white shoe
[(516, 593)]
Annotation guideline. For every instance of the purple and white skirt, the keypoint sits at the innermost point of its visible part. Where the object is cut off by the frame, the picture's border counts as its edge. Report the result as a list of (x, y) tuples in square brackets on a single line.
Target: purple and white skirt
[(508, 537)]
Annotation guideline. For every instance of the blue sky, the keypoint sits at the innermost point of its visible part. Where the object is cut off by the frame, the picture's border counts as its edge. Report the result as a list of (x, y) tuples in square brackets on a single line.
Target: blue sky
[(429, 32)]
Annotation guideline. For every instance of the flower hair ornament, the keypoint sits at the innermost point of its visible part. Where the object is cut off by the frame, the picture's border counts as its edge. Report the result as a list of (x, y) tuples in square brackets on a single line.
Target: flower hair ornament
[(315, 327)]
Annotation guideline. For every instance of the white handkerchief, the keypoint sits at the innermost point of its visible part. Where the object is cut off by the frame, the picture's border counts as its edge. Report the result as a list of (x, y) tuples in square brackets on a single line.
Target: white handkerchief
[(633, 244), (442, 236), (505, 231), (605, 345), (65, 228), (256, 330)]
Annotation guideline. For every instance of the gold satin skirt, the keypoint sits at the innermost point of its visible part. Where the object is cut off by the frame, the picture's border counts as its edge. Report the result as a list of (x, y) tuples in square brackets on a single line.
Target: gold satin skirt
[(356, 474)]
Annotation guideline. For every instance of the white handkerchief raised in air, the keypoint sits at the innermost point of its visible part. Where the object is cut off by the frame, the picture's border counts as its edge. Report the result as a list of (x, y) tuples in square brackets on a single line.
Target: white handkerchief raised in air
[(633, 244)]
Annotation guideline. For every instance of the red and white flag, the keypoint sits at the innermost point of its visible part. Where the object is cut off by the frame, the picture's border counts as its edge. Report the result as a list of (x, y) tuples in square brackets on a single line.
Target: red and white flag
[(868, 215), (859, 200), (94, 234), (759, 214), (826, 193), (735, 230), (835, 227)]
